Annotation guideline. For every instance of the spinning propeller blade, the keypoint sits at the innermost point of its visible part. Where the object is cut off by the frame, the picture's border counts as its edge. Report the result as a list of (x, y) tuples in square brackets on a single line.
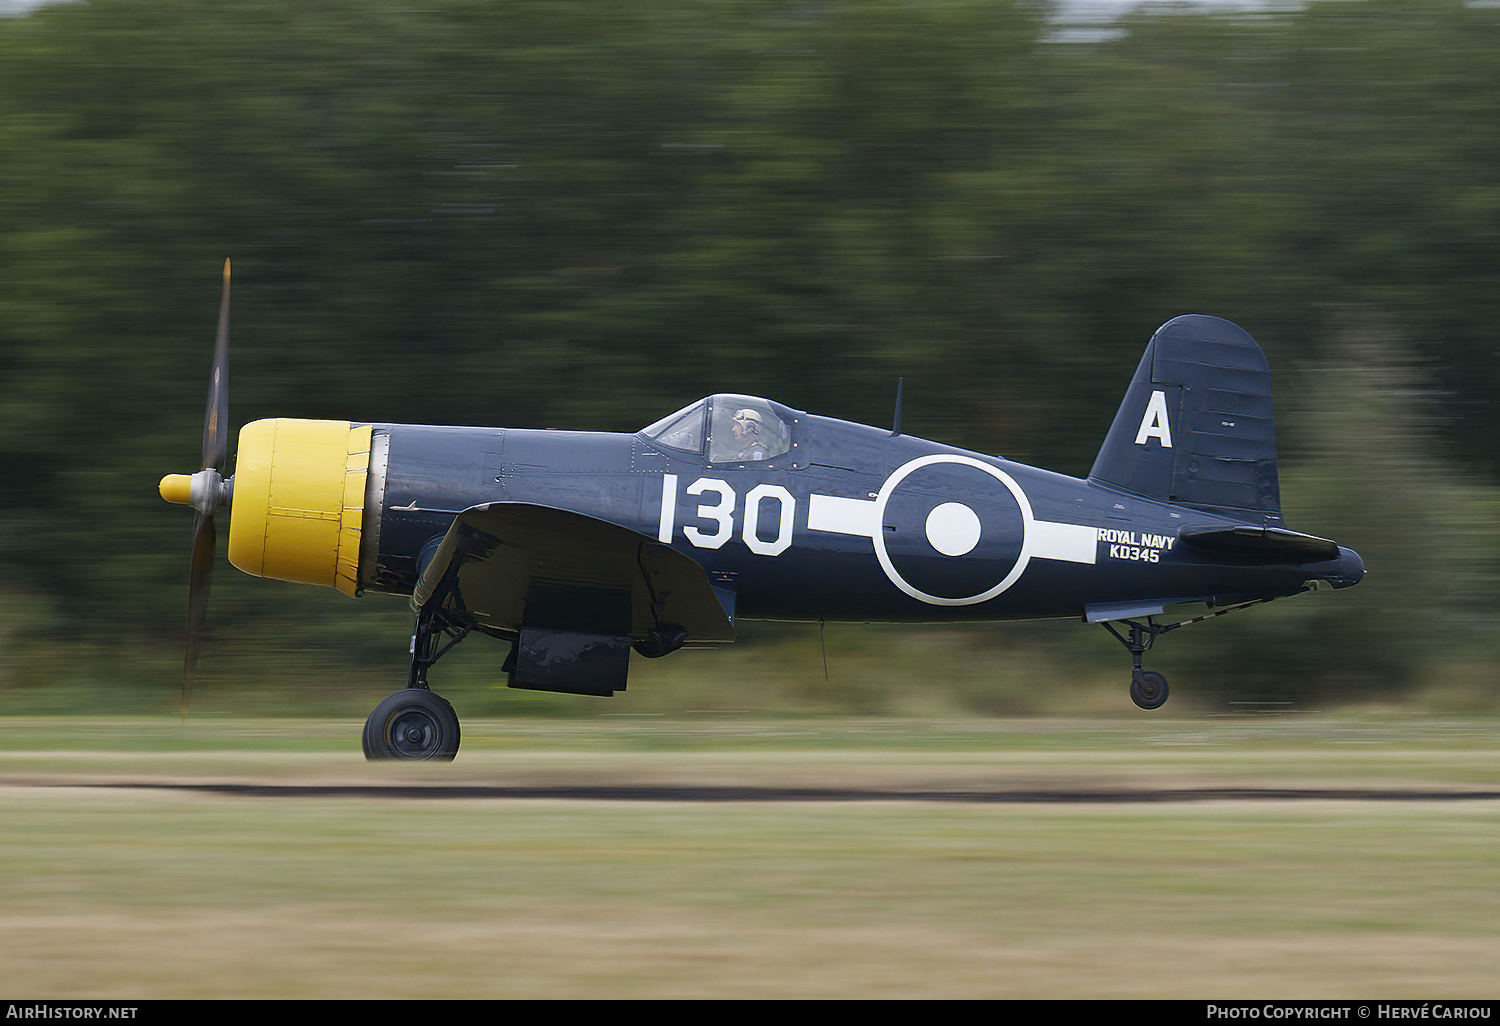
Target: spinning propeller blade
[(206, 491), (202, 569), (216, 416)]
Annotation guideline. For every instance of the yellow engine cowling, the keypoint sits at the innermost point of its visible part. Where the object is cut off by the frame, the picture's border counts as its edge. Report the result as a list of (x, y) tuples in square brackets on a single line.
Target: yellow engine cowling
[(298, 512)]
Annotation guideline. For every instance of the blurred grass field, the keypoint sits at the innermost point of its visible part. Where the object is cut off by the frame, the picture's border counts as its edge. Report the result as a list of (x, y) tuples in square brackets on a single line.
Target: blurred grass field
[(1103, 857)]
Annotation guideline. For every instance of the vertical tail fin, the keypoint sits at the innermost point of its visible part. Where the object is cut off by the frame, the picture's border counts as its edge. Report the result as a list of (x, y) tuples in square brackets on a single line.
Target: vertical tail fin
[(1196, 427)]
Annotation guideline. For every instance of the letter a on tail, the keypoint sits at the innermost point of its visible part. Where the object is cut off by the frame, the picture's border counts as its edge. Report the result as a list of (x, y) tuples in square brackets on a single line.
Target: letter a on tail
[(1155, 423)]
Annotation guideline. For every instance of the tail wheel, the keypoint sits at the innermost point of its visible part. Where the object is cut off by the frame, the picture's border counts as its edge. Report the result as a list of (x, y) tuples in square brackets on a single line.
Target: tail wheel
[(1148, 689), (412, 724)]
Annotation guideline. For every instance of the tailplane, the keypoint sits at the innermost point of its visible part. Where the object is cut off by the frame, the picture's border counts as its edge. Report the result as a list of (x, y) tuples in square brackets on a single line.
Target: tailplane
[(1196, 426)]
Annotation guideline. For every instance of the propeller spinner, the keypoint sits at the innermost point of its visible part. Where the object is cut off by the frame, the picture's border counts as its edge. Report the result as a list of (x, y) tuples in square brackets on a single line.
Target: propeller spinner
[(206, 491)]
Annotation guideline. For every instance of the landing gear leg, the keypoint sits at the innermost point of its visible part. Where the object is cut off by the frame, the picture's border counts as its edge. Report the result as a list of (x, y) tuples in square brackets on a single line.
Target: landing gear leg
[(1148, 689), (414, 723)]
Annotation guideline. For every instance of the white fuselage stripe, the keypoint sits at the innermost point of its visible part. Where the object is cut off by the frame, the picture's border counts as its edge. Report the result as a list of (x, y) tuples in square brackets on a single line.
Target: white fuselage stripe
[(1071, 543), (1045, 539), (842, 516)]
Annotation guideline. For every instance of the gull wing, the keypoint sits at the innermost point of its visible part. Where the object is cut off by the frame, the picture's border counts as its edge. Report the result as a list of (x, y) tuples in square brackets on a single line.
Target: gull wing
[(505, 565)]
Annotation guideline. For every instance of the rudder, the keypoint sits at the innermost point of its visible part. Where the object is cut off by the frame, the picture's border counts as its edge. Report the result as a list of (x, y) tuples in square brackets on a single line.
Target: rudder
[(1196, 427)]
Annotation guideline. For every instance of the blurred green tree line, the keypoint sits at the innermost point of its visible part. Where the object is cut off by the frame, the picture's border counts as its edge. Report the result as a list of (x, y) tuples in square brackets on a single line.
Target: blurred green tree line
[(584, 214)]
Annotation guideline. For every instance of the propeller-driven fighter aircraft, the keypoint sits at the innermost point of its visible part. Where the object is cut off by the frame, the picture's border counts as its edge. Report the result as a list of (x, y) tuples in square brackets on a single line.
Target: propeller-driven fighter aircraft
[(577, 547)]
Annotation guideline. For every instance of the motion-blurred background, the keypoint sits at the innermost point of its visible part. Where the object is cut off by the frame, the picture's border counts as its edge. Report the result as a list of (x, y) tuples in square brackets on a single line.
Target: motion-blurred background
[(587, 213)]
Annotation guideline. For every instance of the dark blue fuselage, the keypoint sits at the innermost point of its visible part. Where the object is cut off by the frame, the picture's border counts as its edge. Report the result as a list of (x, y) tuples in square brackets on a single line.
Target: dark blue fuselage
[(851, 523)]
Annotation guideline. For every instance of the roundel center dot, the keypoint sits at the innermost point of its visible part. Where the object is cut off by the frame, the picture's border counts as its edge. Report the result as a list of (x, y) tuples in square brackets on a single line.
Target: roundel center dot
[(953, 528)]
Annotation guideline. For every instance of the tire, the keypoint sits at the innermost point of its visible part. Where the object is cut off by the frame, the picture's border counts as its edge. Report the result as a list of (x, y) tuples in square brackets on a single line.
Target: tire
[(412, 725), (1148, 690)]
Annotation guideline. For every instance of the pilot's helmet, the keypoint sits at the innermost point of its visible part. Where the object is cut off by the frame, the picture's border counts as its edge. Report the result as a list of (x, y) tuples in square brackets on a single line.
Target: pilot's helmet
[(750, 419)]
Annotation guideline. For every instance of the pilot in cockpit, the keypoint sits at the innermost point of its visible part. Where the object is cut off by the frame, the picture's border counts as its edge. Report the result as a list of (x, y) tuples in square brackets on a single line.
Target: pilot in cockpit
[(748, 431)]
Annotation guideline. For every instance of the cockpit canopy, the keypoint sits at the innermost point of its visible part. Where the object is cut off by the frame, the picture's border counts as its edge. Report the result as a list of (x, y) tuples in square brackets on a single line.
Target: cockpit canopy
[(740, 429)]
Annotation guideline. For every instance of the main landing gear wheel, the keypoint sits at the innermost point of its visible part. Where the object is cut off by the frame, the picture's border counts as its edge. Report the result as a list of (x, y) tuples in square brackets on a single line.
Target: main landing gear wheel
[(1148, 689), (412, 724)]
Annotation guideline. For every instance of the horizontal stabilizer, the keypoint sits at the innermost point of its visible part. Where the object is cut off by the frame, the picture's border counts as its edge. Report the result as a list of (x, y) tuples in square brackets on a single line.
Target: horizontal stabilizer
[(1264, 544)]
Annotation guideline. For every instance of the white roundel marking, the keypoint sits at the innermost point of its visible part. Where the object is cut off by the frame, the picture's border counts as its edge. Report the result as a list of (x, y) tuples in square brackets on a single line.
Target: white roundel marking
[(953, 529), (883, 557)]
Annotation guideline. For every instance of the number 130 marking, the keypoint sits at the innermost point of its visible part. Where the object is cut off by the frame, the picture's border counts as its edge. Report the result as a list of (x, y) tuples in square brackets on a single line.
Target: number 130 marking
[(722, 514)]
